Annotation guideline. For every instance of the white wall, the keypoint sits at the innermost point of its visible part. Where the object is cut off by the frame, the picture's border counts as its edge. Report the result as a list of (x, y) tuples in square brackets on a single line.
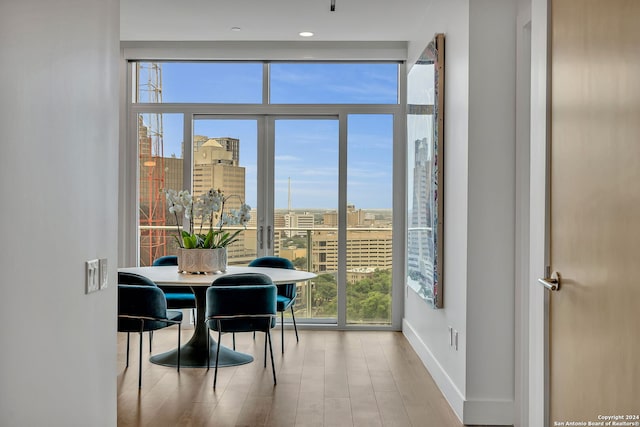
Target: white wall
[(58, 181), (426, 328), (491, 214), (480, 55)]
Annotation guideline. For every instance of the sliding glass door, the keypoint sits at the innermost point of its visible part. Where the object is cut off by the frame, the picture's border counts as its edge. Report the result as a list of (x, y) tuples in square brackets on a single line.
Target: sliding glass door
[(305, 195), (369, 218), (320, 200)]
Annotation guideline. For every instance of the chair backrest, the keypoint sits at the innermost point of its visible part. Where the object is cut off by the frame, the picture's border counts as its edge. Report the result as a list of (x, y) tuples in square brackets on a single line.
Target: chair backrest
[(242, 279), (241, 307), (142, 301), (272, 261), (165, 260), (134, 279), (288, 290)]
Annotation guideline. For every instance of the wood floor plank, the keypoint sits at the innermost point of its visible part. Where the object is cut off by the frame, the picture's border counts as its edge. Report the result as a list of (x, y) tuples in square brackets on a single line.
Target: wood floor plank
[(383, 381), (392, 410), (336, 384), (255, 411), (196, 415), (337, 412), (364, 410), (328, 378), (228, 408), (310, 410), (284, 405)]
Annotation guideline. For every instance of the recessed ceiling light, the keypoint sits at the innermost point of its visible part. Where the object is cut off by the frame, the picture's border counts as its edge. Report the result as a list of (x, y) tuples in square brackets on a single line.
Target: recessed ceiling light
[(235, 28), (306, 34)]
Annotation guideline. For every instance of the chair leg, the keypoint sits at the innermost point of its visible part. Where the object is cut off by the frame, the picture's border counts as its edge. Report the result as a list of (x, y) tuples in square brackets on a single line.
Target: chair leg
[(140, 362), (215, 375), (282, 330), (234, 340), (293, 316), (273, 366), (179, 333), (127, 349), (150, 340), (265, 350), (208, 349)]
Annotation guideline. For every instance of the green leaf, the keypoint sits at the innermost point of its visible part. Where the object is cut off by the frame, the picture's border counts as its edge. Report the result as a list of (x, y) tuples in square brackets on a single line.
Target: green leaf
[(208, 240), (226, 239), (190, 240)]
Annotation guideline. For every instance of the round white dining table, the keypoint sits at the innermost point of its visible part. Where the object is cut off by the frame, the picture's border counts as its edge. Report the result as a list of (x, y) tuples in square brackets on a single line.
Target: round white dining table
[(194, 354)]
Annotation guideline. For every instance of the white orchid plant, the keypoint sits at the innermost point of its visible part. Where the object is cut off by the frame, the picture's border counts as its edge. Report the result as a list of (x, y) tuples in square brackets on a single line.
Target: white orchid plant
[(209, 208)]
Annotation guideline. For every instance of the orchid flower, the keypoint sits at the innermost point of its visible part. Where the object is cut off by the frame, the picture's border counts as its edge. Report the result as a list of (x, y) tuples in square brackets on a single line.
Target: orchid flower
[(207, 207)]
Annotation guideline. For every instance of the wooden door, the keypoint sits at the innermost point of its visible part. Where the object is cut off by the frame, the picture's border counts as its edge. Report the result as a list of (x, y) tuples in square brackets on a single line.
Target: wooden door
[(595, 210)]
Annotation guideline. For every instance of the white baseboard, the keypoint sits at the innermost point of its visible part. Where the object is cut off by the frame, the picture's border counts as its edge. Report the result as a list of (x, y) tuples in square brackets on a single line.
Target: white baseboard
[(489, 412), (473, 412), (442, 379)]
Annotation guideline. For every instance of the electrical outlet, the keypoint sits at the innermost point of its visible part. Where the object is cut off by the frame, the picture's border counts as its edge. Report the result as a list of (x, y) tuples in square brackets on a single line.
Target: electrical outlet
[(92, 279), (104, 273)]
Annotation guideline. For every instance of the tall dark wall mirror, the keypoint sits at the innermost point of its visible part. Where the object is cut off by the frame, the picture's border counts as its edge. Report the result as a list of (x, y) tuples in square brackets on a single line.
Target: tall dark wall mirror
[(425, 156)]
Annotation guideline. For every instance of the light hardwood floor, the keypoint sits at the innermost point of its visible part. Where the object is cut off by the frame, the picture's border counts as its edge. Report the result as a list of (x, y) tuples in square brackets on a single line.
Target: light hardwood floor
[(329, 378)]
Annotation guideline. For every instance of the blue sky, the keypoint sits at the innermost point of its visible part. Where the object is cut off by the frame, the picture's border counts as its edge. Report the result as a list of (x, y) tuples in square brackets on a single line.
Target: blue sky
[(306, 150)]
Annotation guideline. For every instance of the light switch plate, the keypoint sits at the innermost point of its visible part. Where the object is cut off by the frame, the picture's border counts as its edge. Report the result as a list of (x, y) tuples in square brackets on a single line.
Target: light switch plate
[(92, 276), (104, 273)]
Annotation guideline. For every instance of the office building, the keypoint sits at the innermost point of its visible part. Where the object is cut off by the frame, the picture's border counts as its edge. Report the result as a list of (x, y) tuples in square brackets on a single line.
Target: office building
[(296, 224)]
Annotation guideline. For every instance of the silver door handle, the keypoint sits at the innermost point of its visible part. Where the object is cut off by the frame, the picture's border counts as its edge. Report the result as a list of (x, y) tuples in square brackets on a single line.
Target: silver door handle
[(552, 283), (260, 238), (268, 237)]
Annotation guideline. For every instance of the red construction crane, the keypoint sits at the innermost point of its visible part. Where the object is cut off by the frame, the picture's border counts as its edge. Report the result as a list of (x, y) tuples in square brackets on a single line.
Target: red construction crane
[(151, 165)]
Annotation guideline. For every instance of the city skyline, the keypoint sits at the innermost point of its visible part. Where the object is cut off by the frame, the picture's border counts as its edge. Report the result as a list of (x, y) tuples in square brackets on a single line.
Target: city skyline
[(306, 149)]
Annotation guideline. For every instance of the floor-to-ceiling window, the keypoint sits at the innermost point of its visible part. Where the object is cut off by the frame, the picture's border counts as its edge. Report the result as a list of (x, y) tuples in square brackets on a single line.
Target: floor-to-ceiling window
[(308, 145)]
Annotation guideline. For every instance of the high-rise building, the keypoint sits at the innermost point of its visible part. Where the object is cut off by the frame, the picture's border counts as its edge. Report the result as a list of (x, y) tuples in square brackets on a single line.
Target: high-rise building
[(278, 220), (365, 248), (216, 165), (173, 175), (297, 224), (355, 217)]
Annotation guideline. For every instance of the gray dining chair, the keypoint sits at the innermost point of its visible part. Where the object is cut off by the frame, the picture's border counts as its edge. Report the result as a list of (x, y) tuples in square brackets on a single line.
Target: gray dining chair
[(286, 292), (243, 302), (143, 308), (178, 297)]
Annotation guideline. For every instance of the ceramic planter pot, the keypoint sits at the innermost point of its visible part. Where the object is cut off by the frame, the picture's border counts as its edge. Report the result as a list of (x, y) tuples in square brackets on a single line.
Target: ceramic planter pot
[(202, 260)]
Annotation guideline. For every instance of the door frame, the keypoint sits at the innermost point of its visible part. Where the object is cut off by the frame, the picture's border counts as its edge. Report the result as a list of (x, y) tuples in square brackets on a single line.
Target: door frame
[(523, 159), (537, 362)]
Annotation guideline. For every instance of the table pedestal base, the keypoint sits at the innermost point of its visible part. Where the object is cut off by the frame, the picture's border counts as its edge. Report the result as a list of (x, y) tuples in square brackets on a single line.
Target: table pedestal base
[(194, 353), (194, 357)]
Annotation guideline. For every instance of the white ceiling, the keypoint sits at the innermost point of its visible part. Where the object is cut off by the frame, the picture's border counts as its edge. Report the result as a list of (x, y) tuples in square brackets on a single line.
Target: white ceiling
[(271, 20)]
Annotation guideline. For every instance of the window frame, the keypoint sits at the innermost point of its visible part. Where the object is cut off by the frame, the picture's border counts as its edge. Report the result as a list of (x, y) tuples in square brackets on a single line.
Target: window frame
[(129, 232)]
